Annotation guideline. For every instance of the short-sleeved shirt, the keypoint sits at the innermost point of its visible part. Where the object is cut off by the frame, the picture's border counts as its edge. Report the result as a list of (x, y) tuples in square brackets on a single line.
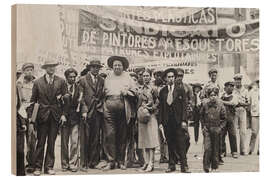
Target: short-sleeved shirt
[(242, 95), (115, 84)]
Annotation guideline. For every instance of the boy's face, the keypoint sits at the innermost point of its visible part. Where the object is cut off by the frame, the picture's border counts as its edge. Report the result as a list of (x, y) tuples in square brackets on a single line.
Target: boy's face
[(213, 96)]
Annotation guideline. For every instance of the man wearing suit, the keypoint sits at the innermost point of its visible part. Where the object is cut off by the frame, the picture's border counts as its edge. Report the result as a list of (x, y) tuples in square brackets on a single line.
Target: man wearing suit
[(70, 129), (92, 108), (172, 99), (47, 92)]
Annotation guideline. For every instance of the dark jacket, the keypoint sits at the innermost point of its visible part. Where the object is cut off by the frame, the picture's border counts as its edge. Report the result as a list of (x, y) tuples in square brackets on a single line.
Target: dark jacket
[(70, 104), (48, 96), (213, 114), (178, 105), (93, 95)]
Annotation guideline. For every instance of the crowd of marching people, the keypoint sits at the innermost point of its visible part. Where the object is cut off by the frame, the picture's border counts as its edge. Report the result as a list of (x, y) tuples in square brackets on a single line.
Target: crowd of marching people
[(123, 117)]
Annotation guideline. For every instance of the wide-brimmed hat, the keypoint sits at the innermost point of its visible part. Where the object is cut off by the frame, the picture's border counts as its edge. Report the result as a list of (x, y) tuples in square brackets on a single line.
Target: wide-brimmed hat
[(27, 65), (118, 58), (48, 63), (169, 70), (94, 63)]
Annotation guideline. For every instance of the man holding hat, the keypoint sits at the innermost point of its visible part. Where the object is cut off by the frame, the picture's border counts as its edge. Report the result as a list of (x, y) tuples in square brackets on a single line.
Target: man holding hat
[(229, 100), (24, 86), (92, 113), (240, 111), (119, 108), (47, 92), (172, 98)]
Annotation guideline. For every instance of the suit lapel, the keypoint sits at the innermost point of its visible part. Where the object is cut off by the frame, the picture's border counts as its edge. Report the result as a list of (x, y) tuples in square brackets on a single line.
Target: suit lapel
[(175, 92), (46, 88), (90, 82)]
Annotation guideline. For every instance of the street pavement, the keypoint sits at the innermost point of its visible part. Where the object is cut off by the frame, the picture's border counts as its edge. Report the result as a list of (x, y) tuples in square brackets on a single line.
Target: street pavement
[(248, 163)]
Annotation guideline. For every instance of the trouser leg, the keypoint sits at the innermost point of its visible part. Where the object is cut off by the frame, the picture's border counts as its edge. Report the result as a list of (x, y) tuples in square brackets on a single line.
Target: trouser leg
[(84, 144), (94, 140), (207, 150), (42, 133), (20, 154), (74, 143), (50, 154), (232, 136), (241, 113), (181, 146), (170, 136), (65, 130), (254, 132), (121, 137), (215, 137)]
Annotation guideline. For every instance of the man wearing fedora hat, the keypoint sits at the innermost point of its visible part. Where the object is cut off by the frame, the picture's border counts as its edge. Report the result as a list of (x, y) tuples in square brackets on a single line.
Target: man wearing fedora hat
[(120, 92), (173, 101), (240, 111), (24, 86), (47, 92), (92, 113)]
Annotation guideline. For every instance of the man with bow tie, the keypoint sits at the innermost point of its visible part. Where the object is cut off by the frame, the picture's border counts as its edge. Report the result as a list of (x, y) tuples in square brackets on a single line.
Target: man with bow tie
[(70, 129), (173, 101), (92, 113)]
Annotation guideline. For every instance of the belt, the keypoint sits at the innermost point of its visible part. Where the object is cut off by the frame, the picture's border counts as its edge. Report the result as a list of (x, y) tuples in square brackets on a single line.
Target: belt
[(114, 97)]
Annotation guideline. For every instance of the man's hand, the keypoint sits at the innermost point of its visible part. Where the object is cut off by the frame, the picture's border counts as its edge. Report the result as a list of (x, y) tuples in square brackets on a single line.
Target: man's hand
[(84, 116), (24, 127), (63, 120), (31, 129), (184, 125)]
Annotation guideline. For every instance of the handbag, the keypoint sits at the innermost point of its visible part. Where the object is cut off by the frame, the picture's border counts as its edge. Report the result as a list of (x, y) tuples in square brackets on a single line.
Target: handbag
[(143, 115)]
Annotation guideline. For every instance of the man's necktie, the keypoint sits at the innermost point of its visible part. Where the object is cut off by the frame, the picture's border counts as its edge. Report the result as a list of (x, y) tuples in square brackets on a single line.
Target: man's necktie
[(71, 89), (170, 96), (51, 80)]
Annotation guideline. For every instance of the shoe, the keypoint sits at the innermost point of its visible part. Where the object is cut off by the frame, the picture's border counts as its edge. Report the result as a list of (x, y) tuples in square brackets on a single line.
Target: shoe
[(250, 153), (234, 155), (185, 170), (221, 162), (64, 169), (50, 172), (206, 170), (169, 170), (108, 167), (122, 167), (37, 173), (149, 168), (144, 167), (258, 153), (243, 154), (163, 160), (74, 169), (30, 169), (83, 169)]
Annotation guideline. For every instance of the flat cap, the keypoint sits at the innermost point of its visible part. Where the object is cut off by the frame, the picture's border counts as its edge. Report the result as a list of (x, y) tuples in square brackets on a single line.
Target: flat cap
[(229, 83), (27, 65), (238, 76)]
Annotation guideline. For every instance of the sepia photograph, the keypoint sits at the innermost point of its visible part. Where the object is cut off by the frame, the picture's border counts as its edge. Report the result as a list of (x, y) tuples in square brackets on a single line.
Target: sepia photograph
[(101, 89)]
